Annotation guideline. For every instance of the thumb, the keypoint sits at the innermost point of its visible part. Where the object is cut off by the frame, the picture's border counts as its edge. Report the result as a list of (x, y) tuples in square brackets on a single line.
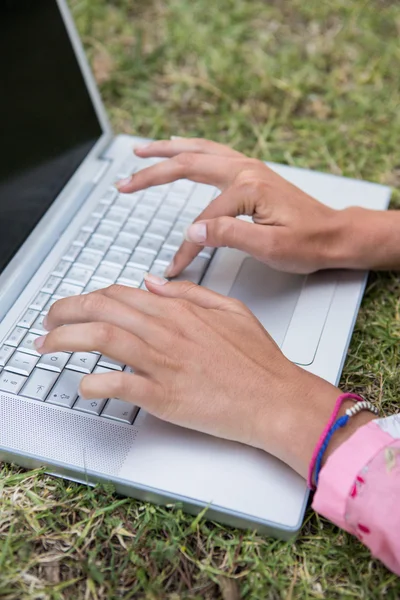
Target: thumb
[(233, 233)]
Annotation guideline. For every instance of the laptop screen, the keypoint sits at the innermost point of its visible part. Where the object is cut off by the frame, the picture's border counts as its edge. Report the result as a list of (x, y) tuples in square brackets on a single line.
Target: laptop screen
[(47, 120)]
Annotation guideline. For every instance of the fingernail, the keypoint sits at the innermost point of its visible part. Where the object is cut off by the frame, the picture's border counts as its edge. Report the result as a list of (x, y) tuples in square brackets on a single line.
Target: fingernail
[(44, 323), (142, 147), (38, 343), (176, 137), (170, 269), (155, 279), (123, 182), (196, 233), (80, 393)]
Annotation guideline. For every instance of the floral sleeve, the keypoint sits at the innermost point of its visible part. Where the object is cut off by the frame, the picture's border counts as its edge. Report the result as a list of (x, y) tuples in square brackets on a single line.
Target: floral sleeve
[(359, 488)]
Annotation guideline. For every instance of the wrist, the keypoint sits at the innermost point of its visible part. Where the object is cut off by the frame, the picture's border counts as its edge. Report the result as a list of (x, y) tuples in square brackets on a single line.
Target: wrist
[(306, 408), (341, 435), (365, 239)]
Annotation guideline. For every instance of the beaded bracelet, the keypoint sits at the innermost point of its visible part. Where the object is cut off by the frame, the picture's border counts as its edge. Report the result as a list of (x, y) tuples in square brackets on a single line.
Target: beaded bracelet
[(341, 422), (325, 432)]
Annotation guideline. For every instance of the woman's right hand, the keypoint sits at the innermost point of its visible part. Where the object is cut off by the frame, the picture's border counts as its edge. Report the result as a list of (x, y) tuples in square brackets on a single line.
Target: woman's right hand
[(291, 231)]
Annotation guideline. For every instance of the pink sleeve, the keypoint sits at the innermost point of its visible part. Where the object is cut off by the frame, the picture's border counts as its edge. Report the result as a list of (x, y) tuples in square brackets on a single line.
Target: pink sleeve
[(359, 488)]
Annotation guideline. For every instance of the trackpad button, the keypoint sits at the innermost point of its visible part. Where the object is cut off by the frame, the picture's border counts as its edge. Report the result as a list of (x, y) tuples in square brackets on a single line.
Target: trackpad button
[(271, 295)]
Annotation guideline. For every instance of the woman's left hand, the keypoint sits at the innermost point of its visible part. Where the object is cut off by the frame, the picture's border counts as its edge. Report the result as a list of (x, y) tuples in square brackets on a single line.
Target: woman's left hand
[(200, 360)]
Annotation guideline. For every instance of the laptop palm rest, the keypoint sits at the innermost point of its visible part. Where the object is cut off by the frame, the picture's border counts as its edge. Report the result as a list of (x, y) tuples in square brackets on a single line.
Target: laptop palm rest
[(292, 308)]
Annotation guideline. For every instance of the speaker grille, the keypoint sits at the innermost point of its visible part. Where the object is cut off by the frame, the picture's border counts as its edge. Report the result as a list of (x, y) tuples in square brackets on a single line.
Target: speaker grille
[(59, 435)]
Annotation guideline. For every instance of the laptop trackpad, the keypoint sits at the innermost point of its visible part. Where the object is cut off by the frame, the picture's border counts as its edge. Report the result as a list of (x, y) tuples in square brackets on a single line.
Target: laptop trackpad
[(292, 308), (271, 295)]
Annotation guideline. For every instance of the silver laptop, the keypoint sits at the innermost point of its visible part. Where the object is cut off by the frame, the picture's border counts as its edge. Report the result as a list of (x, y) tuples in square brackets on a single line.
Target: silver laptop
[(65, 230)]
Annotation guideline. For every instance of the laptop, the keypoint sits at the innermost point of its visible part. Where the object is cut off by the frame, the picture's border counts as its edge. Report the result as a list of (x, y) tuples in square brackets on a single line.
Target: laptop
[(65, 230)]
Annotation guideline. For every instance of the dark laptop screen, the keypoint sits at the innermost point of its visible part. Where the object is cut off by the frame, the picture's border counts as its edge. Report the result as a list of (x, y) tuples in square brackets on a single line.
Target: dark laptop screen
[(47, 120)]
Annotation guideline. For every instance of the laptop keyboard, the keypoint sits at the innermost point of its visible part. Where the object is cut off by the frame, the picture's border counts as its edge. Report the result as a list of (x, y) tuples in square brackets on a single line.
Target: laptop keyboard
[(125, 236)]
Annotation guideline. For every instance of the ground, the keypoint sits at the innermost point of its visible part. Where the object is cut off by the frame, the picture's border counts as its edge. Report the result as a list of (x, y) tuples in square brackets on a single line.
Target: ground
[(313, 84)]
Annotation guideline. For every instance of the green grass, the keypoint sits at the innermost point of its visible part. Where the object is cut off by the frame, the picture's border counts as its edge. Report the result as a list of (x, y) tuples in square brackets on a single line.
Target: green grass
[(311, 83)]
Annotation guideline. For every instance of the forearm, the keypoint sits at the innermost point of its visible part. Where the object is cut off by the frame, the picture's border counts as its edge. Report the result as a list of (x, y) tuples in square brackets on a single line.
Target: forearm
[(367, 239)]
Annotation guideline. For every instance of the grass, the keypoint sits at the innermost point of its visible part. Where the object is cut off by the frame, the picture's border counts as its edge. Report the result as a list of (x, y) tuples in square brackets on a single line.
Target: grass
[(313, 84)]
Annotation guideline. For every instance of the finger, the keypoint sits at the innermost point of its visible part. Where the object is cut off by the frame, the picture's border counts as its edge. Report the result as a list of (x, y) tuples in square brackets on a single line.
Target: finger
[(187, 290), (202, 168), (141, 391), (104, 338), (169, 148), (223, 231), (98, 307), (134, 298), (232, 202)]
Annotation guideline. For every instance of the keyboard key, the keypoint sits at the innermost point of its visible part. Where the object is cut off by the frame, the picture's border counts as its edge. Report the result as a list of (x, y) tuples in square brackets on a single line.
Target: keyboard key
[(201, 197), (174, 200), (132, 275), (91, 224), (173, 241), (97, 245), (5, 353), (37, 326), (189, 214), (91, 407), (109, 196), (94, 285), (65, 391), (125, 242), (117, 216), (55, 361), (40, 301), (81, 238), (107, 273), (39, 384), (150, 199), (165, 256), (126, 201), (61, 268), (100, 210), (16, 336), (27, 344), (72, 253), (126, 283), (141, 259), (115, 257), (68, 289), (21, 363), (51, 284), (158, 269), (84, 362), (101, 370), (194, 272), (183, 187), (158, 229), (87, 259), (110, 363), (106, 230), (167, 214), (180, 227), (134, 227), (50, 303), (143, 213), (10, 382), (28, 318), (78, 275), (150, 244), (118, 410)]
